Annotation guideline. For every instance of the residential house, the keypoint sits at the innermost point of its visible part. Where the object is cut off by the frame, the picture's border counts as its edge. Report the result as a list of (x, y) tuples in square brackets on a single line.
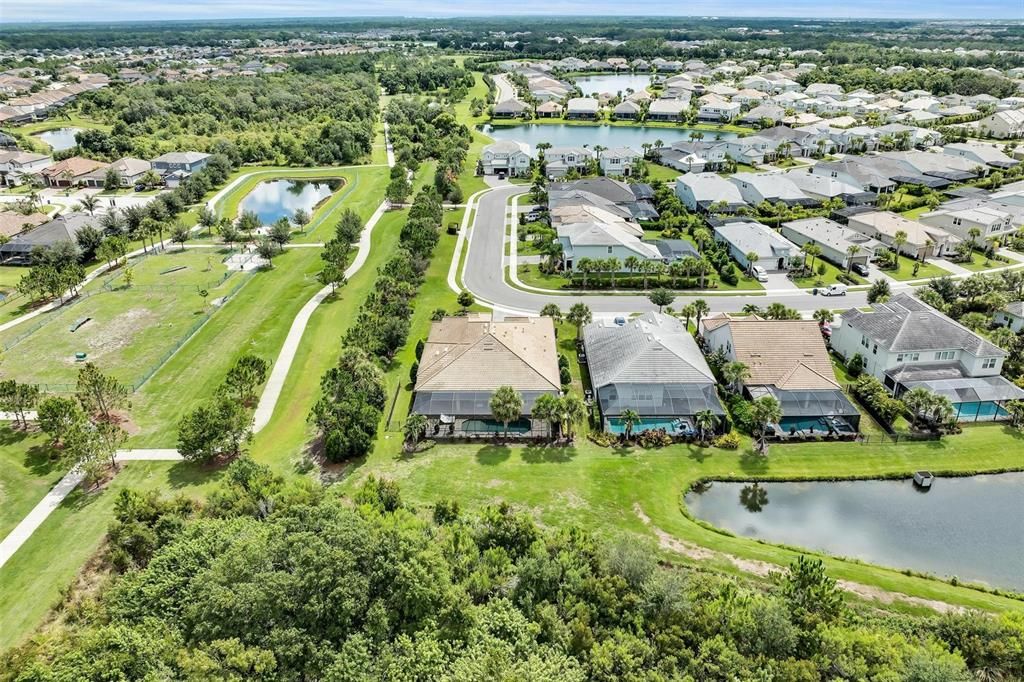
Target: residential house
[(987, 219), (1011, 315), (745, 237), (752, 150), (186, 162), (619, 161), (560, 160), (715, 108), (764, 112), (510, 108), (907, 344), (506, 156), (550, 109), (822, 188), (981, 154), (70, 172), (1001, 125), (129, 172), (840, 245), (922, 241), (582, 108), (636, 199), (667, 110), (15, 222), (626, 110), (699, 191), (771, 187), (18, 251), (651, 366), (601, 241), (788, 361), (467, 358), (17, 166), (852, 171)]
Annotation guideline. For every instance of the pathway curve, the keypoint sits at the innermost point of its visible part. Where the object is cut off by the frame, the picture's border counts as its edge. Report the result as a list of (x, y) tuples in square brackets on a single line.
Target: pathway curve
[(264, 410)]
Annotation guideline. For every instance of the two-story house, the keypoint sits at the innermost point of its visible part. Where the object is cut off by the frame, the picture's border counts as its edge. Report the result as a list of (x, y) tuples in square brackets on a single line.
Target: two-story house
[(560, 160), (619, 161), (907, 344), (506, 156)]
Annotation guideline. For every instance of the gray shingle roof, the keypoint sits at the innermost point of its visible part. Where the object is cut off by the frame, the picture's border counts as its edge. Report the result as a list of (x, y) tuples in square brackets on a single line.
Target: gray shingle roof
[(906, 324), (651, 349)]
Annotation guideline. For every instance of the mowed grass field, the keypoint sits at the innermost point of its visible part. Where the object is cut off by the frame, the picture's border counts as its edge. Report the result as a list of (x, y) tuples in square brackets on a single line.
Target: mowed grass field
[(129, 329), (28, 469)]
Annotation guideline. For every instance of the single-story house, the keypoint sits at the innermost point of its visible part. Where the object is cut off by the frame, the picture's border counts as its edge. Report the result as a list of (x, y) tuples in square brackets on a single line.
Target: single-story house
[(1011, 315), (582, 108), (549, 109), (788, 361), (18, 251), (510, 108), (652, 366), (771, 187), (667, 110), (922, 241), (129, 171), (699, 191), (467, 358), (626, 110), (70, 172), (746, 236), (840, 245), (985, 154), (15, 222), (601, 241)]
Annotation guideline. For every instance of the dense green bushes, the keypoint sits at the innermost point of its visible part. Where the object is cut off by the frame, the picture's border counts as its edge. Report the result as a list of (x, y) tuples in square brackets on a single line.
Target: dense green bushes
[(286, 581)]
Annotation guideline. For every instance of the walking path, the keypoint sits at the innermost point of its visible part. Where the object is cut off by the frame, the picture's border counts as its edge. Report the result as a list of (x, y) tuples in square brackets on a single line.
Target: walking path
[(264, 410)]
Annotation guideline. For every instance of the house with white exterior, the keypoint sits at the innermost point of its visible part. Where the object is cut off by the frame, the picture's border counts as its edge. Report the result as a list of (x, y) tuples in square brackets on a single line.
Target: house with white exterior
[(601, 241), (745, 237), (716, 108), (582, 108), (840, 245), (989, 221), (907, 344), (560, 160), (699, 191), (985, 154), (922, 241), (506, 156), (667, 109), (1011, 316), (771, 187), (1001, 124), (619, 161), (16, 166)]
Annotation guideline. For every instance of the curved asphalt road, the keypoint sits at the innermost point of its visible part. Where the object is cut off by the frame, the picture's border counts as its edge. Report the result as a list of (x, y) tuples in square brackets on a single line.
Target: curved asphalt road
[(483, 275)]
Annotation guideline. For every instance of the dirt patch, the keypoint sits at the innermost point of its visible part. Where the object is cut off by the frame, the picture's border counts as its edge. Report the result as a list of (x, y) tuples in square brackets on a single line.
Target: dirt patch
[(763, 568)]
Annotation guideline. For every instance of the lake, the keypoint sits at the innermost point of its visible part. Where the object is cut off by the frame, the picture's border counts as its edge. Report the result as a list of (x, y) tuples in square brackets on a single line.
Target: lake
[(614, 83), (272, 200), (970, 527), (60, 139), (563, 135)]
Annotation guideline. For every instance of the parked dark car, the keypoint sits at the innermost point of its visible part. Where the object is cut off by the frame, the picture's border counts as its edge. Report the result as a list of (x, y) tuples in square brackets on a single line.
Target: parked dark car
[(860, 269)]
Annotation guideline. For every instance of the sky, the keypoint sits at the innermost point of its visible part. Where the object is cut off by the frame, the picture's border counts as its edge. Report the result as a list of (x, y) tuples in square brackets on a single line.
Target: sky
[(134, 10)]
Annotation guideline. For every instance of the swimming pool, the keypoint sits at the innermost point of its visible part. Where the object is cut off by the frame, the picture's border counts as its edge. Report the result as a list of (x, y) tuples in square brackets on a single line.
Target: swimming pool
[(672, 425), (814, 425)]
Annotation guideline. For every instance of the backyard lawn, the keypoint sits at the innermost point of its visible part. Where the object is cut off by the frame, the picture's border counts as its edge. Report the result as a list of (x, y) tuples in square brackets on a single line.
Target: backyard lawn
[(125, 330)]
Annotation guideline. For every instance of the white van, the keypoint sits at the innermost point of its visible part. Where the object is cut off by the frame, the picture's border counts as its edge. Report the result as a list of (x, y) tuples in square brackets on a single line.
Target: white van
[(833, 290), (760, 274)]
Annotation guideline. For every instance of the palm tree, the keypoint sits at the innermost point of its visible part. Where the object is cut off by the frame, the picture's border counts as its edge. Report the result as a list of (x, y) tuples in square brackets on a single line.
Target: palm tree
[(585, 266), (414, 428), (546, 408), (553, 311), (688, 311), (764, 412), (973, 233), (752, 259), (579, 315), (898, 240), (700, 309), (629, 419), (506, 406), (612, 266), (851, 251), (823, 315), (632, 264), (90, 203), (705, 421), (812, 250), (572, 411), (734, 374)]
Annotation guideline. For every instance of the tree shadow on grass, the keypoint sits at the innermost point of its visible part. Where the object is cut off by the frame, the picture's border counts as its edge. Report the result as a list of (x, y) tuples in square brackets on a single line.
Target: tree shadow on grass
[(491, 455), (41, 460), (753, 463), (697, 453), (536, 453), (184, 474), (11, 436)]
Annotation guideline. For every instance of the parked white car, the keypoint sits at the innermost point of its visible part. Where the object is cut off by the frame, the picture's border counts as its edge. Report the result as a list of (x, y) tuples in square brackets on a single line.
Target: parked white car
[(833, 290), (760, 273)]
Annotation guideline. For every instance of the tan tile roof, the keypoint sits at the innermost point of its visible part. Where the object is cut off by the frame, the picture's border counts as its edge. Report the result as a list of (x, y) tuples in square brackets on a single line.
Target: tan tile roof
[(12, 222), (788, 354), (76, 166), (473, 353)]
